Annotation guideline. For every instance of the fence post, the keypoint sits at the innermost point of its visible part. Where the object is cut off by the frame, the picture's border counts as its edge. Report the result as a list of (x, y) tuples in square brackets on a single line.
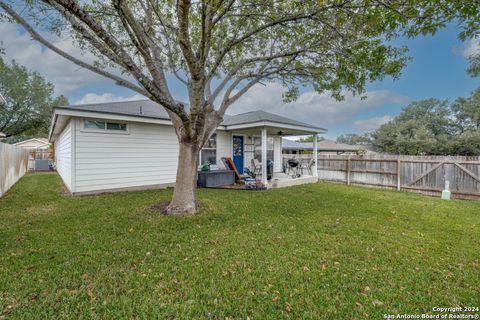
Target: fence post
[(13, 165), (399, 173), (348, 170), (315, 156), (412, 173)]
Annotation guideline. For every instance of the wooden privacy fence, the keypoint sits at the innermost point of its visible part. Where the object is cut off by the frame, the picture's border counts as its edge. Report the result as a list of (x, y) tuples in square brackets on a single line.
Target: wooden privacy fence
[(423, 174), (13, 165)]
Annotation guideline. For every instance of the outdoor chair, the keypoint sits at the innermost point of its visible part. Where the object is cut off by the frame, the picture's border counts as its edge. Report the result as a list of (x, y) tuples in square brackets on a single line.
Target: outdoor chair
[(307, 165), (256, 167)]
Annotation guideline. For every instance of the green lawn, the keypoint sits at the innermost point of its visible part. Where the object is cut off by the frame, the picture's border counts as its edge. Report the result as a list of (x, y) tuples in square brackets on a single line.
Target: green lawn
[(324, 251)]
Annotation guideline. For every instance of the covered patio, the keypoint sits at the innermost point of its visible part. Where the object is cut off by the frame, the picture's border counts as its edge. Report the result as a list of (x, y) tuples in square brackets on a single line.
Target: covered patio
[(256, 141)]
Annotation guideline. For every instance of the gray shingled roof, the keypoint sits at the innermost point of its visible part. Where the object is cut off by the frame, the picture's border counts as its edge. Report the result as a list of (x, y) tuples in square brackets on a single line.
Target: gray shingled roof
[(150, 109), (139, 108), (259, 116)]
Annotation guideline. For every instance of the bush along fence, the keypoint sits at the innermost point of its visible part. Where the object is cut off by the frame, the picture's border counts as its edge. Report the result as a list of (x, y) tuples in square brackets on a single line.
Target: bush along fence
[(422, 174), (13, 165)]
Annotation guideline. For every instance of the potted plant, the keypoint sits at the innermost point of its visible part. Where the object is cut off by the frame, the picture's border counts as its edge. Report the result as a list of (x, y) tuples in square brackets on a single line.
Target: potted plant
[(206, 167)]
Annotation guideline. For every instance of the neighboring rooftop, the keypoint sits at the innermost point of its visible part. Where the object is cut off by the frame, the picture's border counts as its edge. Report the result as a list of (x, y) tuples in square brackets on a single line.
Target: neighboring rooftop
[(34, 143), (324, 145), (288, 144), (149, 109), (37, 140)]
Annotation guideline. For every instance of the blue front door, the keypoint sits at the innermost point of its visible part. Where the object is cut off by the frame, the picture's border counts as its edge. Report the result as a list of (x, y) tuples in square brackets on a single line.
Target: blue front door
[(238, 153)]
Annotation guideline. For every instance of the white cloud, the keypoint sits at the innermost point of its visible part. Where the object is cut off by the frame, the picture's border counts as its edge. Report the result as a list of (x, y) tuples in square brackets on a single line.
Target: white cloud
[(367, 125), (314, 108), (106, 97), (472, 48), (66, 76), (311, 107)]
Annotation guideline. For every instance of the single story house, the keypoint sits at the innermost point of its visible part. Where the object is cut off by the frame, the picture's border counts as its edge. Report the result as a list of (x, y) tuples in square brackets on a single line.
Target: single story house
[(2, 135), (325, 147), (132, 145), (34, 144)]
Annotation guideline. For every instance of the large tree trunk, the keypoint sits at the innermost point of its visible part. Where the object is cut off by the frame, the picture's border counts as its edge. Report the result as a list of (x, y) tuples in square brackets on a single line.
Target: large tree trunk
[(184, 198), (191, 141)]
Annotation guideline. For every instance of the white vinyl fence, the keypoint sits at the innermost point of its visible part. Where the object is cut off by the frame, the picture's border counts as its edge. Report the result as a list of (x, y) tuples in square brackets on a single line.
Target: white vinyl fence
[(13, 165)]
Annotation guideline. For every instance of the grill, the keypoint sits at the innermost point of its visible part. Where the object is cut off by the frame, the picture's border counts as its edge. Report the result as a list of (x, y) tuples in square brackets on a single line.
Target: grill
[(293, 163), (294, 167)]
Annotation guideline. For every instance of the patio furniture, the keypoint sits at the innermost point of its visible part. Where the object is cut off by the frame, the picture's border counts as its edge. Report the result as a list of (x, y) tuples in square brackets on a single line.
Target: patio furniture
[(250, 183), (248, 173), (307, 165), (229, 164), (256, 167)]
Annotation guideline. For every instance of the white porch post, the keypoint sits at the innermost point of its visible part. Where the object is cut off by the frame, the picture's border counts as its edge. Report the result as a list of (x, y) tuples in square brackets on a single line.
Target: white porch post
[(264, 155), (315, 156)]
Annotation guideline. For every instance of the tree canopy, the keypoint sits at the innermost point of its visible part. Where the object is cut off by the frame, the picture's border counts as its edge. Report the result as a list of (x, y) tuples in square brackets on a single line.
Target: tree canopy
[(355, 139), (474, 58), (467, 111), (474, 68), (309, 139), (433, 127), (29, 101)]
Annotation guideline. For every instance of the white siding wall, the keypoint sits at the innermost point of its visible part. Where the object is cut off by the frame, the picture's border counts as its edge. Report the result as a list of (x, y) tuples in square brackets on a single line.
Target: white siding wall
[(63, 155), (146, 156), (224, 147), (277, 154)]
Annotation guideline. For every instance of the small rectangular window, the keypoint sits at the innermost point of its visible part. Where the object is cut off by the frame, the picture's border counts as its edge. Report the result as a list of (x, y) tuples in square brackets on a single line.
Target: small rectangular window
[(211, 143), (116, 126), (209, 155), (91, 124), (209, 151), (105, 126), (257, 141)]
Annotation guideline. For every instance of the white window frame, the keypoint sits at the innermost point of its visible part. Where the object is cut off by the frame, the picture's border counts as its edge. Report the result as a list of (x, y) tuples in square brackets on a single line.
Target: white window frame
[(273, 146), (109, 131), (216, 150)]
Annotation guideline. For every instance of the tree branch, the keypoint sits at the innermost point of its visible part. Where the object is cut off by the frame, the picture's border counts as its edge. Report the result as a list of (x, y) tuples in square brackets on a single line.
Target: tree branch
[(77, 11), (256, 78), (35, 35), (223, 12), (246, 36), (184, 38), (145, 46), (73, 8), (245, 62), (204, 47)]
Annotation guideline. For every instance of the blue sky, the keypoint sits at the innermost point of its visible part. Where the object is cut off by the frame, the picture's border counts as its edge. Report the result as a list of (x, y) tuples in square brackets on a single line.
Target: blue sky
[(437, 69)]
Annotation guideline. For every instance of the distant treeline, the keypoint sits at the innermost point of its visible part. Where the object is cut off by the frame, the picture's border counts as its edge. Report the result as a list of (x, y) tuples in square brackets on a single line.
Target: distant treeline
[(428, 127)]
